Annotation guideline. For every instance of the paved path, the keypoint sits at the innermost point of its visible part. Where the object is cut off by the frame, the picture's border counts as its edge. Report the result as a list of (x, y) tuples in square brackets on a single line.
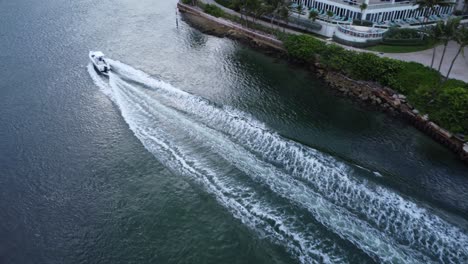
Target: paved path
[(258, 21), (460, 68), (459, 71)]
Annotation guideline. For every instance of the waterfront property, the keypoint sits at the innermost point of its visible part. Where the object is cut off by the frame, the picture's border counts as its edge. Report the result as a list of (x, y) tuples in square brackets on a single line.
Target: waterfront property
[(381, 12)]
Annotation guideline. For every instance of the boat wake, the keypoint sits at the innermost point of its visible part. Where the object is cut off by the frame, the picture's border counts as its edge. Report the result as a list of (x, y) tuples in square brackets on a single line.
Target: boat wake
[(316, 207)]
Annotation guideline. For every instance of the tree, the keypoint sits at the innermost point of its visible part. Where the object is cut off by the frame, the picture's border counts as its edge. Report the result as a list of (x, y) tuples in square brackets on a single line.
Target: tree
[(279, 8), (448, 33), (461, 37), (329, 15), (363, 7), (314, 14), (430, 5), (253, 6), (262, 9), (274, 12), (284, 14), (240, 4), (299, 10), (435, 34)]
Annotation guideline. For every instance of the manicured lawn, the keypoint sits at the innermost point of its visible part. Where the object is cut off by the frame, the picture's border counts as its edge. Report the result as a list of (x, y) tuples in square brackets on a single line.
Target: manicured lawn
[(400, 49)]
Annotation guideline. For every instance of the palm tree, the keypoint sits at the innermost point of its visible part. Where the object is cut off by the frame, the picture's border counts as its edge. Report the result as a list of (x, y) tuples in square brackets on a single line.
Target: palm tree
[(279, 8), (448, 33), (329, 15), (261, 9), (435, 34), (314, 14), (299, 10), (252, 7), (284, 14), (275, 11), (430, 5), (241, 4), (461, 37), (363, 7)]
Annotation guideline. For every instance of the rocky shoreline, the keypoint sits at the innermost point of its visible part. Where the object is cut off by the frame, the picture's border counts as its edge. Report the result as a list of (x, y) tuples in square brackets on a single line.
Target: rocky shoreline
[(370, 93), (395, 104)]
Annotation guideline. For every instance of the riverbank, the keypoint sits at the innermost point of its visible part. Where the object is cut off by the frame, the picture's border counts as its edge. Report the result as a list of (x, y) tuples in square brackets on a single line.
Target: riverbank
[(372, 93), (224, 28)]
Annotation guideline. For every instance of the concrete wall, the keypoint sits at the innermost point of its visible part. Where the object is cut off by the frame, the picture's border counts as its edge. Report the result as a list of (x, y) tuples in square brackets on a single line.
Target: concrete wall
[(234, 30), (327, 30)]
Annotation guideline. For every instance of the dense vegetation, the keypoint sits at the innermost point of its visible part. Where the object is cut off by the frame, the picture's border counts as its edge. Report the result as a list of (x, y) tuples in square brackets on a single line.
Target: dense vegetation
[(445, 102), (402, 33), (235, 5), (401, 49), (213, 10), (404, 37)]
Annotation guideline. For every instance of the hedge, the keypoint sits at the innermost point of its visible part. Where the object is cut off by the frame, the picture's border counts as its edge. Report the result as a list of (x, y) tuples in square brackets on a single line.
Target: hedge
[(213, 10), (404, 42), (446, 103), (364, 23), (402, 33)]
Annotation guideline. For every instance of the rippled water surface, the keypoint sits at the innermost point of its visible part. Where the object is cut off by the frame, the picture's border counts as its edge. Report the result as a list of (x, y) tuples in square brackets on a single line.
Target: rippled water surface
[(197, 149)]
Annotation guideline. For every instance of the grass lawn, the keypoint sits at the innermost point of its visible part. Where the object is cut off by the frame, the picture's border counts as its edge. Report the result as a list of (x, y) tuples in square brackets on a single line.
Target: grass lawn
[(400, 49)]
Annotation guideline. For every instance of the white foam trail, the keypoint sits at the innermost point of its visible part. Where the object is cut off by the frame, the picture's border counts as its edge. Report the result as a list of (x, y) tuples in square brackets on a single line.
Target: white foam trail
[(363, 208), (98, 80), (240, 199), (331, 216)]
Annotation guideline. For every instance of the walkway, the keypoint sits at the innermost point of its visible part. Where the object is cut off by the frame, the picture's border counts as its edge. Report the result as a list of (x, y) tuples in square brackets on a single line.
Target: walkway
[(258, 21), (459, 71), (460, 68)]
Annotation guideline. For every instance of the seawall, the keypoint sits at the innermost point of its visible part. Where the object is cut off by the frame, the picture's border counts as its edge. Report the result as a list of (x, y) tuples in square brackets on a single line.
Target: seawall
[(370, 93), (222, 27)]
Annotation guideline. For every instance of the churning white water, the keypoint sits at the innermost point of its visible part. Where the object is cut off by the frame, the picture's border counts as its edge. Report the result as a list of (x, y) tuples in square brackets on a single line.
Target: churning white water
[(268, 182)]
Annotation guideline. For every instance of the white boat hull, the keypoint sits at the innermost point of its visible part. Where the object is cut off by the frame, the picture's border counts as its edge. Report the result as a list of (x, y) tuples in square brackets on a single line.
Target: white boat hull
[(99, 62)]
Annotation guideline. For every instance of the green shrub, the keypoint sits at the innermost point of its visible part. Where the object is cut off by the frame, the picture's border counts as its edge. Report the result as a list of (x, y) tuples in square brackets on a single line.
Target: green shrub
[(370, 67), (303, 47), (213, 10), (412, 75), (402, 33), (452, 83), (446, 103), (450, 109), (404, 37), (405, 42), (234, 5), (336, 57)]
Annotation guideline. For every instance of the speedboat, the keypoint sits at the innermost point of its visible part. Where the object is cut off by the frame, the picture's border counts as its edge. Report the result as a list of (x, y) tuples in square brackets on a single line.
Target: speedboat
[(99, 62)]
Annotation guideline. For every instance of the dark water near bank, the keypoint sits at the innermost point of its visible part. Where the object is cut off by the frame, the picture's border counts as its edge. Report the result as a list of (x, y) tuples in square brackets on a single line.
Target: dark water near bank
[(201, 150)]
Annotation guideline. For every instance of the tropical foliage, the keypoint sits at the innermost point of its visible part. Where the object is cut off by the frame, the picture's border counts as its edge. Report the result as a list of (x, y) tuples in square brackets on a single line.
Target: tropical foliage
[(213, 10), (445, 100), (447, 33), (404, 37), (448, 105), (461, 37), (402, 33), (429, 6)]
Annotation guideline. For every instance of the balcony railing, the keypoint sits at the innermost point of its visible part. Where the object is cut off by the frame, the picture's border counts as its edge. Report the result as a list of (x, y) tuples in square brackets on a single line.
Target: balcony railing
[(371, 34)]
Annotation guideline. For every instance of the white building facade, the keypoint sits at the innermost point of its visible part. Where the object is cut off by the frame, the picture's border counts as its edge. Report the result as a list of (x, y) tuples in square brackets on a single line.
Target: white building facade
[(378, 11)]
